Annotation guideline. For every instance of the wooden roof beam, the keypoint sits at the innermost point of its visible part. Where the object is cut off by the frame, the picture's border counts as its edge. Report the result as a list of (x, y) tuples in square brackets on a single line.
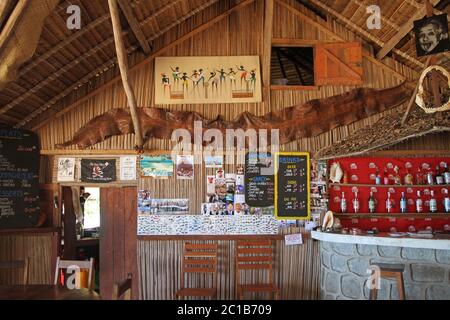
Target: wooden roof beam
[(403, 31), (364, 33), (267, 48), (89, 76), (134, 25)]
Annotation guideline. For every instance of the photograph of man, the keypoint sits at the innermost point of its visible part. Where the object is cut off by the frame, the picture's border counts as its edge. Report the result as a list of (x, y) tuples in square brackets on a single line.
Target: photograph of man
[(432, 35)]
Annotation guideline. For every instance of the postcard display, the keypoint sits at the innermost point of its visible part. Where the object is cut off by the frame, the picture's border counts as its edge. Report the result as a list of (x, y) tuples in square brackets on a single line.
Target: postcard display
[(401, 189), (19, 178)]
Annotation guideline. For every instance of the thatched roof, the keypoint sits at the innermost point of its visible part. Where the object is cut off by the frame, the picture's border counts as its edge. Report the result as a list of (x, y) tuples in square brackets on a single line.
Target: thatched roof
[(386, 132), (66, 64)]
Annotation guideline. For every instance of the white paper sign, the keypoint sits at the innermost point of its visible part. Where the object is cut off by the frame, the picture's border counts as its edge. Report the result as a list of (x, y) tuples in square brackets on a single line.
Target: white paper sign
[(309, 225), (292, 239), (66, 169), (128, 168)]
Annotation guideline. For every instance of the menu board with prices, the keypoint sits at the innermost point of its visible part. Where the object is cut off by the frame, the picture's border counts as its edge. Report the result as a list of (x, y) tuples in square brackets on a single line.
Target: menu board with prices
[(19, 178), (292, 185), (259, 179)]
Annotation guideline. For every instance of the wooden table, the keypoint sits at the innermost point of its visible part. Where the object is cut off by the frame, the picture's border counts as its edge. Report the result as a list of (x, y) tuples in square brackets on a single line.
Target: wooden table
[(45, 292)]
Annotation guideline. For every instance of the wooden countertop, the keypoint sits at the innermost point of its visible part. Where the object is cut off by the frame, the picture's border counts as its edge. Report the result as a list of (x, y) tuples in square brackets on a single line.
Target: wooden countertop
[(231, 237), (28, 231)]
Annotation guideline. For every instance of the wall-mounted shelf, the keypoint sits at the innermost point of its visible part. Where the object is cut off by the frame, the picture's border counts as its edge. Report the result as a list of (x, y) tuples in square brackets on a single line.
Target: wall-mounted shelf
[(392, 215), (391, 185)]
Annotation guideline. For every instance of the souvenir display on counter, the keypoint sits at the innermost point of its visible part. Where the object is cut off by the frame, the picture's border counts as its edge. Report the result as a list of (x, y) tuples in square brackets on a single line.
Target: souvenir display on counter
[(405, 199)]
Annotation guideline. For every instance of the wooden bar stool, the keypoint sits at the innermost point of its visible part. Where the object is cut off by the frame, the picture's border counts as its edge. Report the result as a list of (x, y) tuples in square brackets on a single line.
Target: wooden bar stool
[(388, 270), (199, 259), (256, 256)]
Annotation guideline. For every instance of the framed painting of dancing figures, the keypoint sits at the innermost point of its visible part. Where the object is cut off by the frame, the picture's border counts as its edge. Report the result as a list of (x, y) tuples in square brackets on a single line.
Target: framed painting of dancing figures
[(228, 79)]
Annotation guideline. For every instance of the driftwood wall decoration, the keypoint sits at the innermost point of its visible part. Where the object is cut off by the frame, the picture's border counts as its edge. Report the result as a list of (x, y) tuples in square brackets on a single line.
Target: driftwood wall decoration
[(305, 120)]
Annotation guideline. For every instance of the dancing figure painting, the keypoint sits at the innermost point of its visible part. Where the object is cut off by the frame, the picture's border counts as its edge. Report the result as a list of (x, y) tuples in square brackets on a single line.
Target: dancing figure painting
[(197, 80)]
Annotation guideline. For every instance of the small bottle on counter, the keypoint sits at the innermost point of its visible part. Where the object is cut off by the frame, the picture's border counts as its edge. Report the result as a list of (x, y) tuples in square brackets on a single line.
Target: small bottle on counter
[(430, 178), (403, 204), (343, 203), (446, 174), (433, 203), (386, 177), (447, 203), (397, 178), (419, 177), (419, 203)]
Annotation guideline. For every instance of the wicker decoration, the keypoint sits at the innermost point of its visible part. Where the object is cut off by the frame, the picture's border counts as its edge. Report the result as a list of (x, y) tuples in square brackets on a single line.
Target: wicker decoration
[(419, 96)]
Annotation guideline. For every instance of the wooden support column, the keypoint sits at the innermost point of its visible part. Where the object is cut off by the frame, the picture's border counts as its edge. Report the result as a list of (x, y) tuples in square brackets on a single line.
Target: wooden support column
[(134, 25), (267, 48), (123, 66)]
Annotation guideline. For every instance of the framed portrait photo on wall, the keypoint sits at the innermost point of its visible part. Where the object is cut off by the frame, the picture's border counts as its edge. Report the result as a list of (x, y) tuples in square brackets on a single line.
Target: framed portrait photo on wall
[(432, 35)]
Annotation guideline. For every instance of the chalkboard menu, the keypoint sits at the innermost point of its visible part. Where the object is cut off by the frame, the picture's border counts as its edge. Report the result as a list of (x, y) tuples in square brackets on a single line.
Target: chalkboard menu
[(19, 178), (292, 185), (259, 179)]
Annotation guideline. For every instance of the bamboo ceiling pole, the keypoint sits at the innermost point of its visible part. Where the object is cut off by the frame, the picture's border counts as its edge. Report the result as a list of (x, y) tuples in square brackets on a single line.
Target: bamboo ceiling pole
[(123, 66)]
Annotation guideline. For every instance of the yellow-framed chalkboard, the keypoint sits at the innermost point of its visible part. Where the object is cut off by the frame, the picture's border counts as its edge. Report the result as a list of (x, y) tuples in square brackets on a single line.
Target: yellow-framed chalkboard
[(292, 185)]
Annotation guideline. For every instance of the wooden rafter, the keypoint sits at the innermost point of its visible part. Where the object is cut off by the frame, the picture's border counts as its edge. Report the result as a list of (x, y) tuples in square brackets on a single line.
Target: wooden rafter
[(13, 20), (86, 78), (364, 33), (122, 59), (134, 25), (337, 37), (267, 47), (403, 31)]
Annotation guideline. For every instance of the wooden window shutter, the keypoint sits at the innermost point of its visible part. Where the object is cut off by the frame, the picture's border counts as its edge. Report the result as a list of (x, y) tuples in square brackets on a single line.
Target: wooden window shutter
[(338, 63)]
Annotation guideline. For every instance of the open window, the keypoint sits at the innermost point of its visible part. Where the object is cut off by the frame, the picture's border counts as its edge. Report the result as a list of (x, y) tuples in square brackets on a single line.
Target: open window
[(303, 64)]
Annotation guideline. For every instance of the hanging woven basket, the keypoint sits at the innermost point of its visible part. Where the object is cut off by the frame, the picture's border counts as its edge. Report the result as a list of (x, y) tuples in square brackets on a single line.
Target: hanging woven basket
[(419, 96)]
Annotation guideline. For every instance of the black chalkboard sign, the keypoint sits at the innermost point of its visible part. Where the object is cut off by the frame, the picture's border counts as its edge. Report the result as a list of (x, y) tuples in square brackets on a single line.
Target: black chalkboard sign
[(259, 179), (19, 178), (292, 185)]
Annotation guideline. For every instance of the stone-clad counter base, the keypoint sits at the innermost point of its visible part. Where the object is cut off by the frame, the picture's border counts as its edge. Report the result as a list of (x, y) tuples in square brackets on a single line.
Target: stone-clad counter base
[(344, 271)]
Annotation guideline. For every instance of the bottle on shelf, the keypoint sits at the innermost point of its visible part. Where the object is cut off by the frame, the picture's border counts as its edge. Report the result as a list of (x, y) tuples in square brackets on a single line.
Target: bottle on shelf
[(419, 203), (343, 203), (430, 178), (397, 178), (433, 203), (386, 177), (389, 203), (419, 177), (409, 180), (447, 203), (345, 179), (403, 204), (439, 176), (356, 203), (446, 174), (371, 203), (377, 177)]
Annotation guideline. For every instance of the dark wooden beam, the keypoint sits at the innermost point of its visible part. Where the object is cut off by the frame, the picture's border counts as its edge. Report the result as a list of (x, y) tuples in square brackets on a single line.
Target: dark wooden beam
[(277, 50), (134, 25)]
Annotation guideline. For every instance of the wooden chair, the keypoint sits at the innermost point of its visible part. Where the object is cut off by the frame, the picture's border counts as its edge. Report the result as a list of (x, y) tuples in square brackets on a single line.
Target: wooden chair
[(199, 259), (255, 255), (18, 264), (123, 288), (388, 270), (64, 264)]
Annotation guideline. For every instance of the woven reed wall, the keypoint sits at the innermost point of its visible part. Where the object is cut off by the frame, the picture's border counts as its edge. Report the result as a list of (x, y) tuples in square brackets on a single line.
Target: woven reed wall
[(296, 270), (240, 34), (38, 247)]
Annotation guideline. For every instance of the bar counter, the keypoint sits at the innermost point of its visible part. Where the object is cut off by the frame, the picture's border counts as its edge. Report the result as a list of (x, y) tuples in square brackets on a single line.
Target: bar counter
[(345, 261)]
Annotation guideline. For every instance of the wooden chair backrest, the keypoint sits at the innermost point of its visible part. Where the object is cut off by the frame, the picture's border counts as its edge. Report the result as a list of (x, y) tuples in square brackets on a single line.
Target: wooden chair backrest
[(199, 258), (18, 264), (64, 264), (123, 288), (254, 255)]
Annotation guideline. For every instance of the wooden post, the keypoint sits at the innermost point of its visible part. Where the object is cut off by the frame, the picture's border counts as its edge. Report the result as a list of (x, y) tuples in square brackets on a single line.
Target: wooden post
[(267, 48), (123, 66)]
